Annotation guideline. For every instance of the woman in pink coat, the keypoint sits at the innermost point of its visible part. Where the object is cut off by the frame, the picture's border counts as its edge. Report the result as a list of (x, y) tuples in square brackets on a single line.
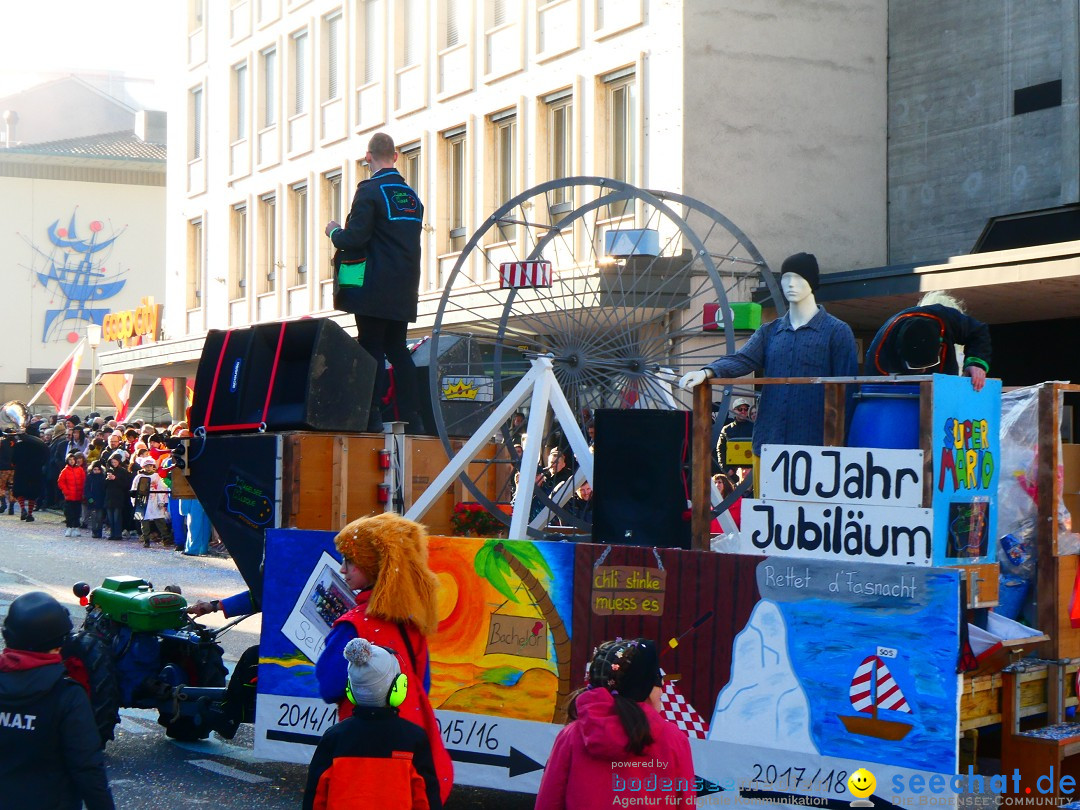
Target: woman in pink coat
[(618, 747)]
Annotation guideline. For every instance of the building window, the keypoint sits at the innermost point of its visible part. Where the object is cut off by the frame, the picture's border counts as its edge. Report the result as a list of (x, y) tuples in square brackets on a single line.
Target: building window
[(333, 57), (409, 164), (455, 188), (301, 222), (299, 73), (331, 210), (240, 96), (195, 264), (620, 147), (239, 270), (454, 23), (370, 36), (504, 131), (195, 15), (621, 92), (269, 88), (560, 139), (498, 13), (196, 123), (269, 264), (412, 31)]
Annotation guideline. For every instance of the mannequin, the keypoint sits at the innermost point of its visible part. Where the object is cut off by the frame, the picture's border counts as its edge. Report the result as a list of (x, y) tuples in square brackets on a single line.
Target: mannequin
[(806, 342)]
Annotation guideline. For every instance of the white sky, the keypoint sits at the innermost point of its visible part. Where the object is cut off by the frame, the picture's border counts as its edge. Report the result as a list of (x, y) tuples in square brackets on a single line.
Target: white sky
[(39, 40)]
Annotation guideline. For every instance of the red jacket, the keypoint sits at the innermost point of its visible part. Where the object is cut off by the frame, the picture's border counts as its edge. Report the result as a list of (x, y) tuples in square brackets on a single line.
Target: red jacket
[(374, 759), (589, 768), (416, 708), (72, 480)]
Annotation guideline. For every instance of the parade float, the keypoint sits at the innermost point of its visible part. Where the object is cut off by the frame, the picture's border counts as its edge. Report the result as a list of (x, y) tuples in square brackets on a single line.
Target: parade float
[(847, 623)]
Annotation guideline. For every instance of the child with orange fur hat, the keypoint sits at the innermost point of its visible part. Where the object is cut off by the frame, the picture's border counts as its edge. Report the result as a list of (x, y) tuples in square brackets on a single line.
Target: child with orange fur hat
[(385, 560)]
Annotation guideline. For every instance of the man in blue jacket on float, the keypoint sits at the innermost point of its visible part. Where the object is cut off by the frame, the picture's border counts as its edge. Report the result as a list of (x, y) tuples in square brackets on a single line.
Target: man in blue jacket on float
[(377, 274)]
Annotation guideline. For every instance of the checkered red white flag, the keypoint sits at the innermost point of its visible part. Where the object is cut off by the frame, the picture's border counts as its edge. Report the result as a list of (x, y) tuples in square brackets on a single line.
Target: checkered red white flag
[(674, 707), (518, 275)]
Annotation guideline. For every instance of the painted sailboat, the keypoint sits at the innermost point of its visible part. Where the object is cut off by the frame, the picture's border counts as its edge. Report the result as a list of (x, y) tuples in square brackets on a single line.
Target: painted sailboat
[(872, 689)]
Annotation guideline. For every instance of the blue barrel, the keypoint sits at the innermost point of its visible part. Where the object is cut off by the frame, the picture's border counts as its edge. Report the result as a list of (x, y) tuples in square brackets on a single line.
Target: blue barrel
[(1012, 592), (886, 416)]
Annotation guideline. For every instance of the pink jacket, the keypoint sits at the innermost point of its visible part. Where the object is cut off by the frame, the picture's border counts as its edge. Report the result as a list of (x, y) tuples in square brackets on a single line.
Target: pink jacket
[(589, 767)]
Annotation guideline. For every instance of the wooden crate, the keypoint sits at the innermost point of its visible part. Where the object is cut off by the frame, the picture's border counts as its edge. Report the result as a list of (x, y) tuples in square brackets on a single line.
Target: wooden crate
[(329, 480), (980, 702)]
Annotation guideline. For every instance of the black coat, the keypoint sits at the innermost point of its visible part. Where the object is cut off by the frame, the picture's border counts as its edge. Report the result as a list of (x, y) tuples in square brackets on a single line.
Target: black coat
[(117, 491), (883, 356), (50, 750), (384, 228), (94, 490), (29, 458), (732, 431)]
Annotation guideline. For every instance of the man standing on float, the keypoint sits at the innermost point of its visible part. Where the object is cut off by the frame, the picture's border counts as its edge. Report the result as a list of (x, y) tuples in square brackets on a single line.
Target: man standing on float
[(806, 342), (377, 275)]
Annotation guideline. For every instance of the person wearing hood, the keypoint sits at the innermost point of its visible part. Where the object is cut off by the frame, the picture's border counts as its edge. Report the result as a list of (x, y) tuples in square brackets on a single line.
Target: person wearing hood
[(50, 749), (617, 747)]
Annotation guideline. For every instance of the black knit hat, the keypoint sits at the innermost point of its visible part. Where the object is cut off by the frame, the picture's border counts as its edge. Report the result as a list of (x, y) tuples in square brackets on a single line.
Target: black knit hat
[(627, 667), (805, 265)]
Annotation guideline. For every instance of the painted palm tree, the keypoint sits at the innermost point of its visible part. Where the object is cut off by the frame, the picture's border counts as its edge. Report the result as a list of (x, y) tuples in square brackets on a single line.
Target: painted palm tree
[(496, 561)]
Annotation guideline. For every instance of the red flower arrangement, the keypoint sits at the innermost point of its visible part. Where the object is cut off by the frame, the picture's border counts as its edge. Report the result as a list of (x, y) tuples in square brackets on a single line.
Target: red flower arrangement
[(470, 519)]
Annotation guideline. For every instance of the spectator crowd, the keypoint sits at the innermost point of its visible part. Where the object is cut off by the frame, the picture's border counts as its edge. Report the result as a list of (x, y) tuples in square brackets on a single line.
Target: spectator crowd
[(109, 478)]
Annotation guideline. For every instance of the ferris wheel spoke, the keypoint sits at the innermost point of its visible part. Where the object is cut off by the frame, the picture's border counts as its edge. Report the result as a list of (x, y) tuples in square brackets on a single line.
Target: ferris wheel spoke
[(610, 327)]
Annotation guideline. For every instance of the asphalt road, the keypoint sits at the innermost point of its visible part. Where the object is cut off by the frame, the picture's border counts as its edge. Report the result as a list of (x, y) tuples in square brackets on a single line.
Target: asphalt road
[(147, 769)]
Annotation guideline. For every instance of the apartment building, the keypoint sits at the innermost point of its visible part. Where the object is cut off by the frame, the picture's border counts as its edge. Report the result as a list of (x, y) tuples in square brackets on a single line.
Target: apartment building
[(773, 114)]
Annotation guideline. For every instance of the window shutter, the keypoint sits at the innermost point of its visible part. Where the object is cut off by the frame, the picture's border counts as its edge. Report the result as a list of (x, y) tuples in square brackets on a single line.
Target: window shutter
[(300, 74), (333, 30)]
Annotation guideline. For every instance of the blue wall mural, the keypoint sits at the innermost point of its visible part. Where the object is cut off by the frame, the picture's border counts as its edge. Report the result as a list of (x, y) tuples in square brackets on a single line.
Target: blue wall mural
[(75, 273)]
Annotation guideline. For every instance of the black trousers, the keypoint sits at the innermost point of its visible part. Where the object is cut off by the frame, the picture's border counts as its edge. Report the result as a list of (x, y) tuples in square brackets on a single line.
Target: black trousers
[(385, 340), (72, 513)]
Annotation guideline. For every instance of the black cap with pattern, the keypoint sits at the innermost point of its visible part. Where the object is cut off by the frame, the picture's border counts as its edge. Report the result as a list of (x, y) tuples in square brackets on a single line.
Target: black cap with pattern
[(627, 667)]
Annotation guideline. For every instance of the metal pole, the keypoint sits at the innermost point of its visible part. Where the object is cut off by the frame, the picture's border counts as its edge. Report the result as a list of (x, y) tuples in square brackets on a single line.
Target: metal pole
[(93, 379)]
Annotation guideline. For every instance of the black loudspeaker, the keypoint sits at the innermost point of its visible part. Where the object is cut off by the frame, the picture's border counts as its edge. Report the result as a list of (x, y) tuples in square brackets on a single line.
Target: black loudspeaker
[(640, 478), (292, 375), (235, 479)]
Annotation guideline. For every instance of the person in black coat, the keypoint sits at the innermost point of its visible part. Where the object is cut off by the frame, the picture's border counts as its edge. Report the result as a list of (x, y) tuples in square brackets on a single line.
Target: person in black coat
[(117, 489), (28, 458), (94, 497), (377, 274), (50, 749), (923, 339)]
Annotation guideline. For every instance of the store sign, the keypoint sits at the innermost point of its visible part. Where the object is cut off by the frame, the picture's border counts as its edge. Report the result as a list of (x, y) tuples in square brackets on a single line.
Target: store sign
[(144, 322)]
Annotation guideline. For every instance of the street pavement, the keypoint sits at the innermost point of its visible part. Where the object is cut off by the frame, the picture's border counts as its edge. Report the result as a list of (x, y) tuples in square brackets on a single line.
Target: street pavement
[(146, 768)]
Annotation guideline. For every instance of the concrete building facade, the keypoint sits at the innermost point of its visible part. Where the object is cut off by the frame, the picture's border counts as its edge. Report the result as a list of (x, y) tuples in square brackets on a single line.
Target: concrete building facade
[(983, 119), (84, 218), (775, 117)]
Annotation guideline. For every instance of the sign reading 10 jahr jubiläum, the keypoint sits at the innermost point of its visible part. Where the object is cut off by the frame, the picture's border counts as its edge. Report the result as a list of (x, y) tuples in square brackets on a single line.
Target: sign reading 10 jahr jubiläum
[(839, 503)]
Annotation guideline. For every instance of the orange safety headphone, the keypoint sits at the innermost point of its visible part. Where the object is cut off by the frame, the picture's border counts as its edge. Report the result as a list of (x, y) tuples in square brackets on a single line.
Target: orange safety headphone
[(399, 689)]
